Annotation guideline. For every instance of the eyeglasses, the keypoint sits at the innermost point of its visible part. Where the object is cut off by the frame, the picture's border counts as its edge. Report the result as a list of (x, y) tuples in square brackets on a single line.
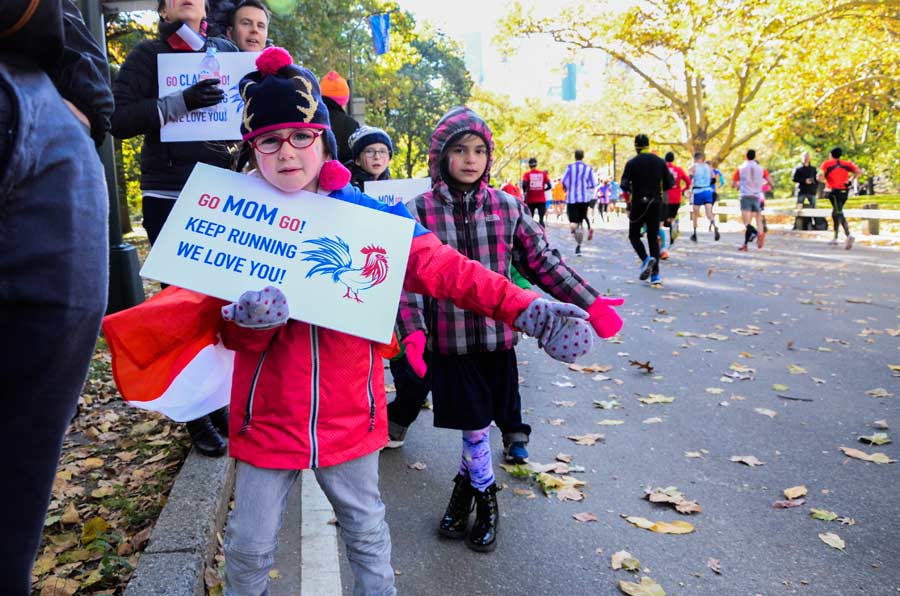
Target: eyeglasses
[(299, 139), (376, 152)]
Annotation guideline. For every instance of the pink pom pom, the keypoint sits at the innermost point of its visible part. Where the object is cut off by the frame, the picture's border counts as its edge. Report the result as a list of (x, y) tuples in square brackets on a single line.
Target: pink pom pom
[(272, 60), (333, 176)]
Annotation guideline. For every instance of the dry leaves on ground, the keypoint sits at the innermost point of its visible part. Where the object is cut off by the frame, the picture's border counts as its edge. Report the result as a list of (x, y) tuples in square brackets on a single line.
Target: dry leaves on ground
[(749, 460), (788, 504), (715, 565), (795, 492), (660, 527), (766, 412), (832, 540), (875, 458), (610, 404), (647, 587), (593, 368), (586, 439), (879, 392), (624, 560), (585, 516), (656, 398), (673, 496), (876, 439)]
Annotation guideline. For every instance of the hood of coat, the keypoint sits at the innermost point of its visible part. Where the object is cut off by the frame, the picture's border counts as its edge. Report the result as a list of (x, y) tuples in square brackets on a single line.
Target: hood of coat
[(455, 123)]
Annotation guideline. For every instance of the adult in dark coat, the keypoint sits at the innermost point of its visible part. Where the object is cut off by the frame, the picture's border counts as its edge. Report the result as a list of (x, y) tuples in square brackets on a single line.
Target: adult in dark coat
[(54, 253), (165, 167)]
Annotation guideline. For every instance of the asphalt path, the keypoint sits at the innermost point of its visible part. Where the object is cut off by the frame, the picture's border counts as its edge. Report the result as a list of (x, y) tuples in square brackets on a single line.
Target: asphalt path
[(797, 302)]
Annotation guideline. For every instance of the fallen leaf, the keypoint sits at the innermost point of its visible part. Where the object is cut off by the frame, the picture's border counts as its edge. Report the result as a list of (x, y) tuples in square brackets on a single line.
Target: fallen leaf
[(598, 368), (818, 381), (750, 460), (876, 439), (654, 420), (59, 586), (624, 560), (103, 491), (714, 390), (586, 439), (70, 516), (766, 412), (780, 387), (832, 540), (524, 492), (556, 422), (796, 370), (882, 424), (647, 587), (609, 422), (876, 458), (660, 527), (645, 366), (789, 504), (656, 398), (879, 392), (569, 493), (607, 405), (795, 492), (715, 565), (823, 514), (672, 496), (585, 516), (563, 384), (693, 454), (564, 404), (92, 463), (92, 529), (564, 457), (274, 574), (417, 465), (44, 564)]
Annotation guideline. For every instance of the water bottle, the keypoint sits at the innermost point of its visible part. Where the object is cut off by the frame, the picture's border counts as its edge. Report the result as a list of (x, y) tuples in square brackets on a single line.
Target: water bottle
[(209, 69)]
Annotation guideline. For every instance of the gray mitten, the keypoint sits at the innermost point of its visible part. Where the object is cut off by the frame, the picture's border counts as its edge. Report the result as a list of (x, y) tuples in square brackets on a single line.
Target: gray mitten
[(263, 309), (561, 329)]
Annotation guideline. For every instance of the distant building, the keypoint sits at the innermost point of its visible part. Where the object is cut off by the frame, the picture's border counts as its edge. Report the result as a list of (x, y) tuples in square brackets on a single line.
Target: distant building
[(474, 56), (569, 85)]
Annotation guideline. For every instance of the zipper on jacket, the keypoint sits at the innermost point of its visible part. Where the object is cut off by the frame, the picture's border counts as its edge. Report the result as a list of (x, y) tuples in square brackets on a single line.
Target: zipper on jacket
[(476, 332), (369, 389), (314, 397), (248, 415)]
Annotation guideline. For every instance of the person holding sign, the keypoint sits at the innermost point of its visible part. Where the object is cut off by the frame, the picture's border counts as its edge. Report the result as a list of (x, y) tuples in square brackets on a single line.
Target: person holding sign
[(371, 152), (165, 167), (471, 358), (304, 396)]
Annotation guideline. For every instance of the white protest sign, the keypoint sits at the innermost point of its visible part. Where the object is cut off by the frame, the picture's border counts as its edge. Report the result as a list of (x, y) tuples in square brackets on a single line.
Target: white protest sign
[(340, 265), (222, 122), (397, 191)]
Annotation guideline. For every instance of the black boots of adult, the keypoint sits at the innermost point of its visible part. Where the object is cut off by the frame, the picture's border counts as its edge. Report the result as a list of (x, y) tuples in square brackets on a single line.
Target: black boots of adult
[(456, 518), (206, 438), (219, 419), (483, 535)]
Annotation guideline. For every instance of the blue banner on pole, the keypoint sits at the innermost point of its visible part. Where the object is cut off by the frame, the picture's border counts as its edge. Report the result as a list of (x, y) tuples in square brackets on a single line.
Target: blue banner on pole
[(381, 32)]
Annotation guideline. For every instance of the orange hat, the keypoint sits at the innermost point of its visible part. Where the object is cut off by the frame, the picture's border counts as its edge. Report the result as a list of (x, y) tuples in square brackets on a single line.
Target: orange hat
[(335, 86)]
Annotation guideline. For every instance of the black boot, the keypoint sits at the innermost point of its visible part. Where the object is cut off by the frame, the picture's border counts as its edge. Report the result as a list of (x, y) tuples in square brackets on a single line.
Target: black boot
[(483, 535), (206, 438), (456, 518), (219, 419)]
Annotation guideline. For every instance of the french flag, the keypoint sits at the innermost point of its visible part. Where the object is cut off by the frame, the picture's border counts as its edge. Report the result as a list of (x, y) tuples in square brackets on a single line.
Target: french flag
[(167, 356)]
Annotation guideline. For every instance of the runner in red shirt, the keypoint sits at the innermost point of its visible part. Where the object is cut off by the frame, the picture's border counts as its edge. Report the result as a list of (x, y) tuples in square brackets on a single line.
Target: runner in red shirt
[(670, 215), (535, 183), (511, 189), (838, 174)]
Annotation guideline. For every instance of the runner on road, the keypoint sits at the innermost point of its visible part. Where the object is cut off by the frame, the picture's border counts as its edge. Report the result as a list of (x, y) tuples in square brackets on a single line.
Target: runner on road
[(838, 175), (645, 178), (579, 183), (670, 217), (703, 189), (535, 183), (748, 179)]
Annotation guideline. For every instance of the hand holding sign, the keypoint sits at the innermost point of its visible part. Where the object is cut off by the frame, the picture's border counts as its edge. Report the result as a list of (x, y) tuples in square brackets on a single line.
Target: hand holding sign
[(203, 94)]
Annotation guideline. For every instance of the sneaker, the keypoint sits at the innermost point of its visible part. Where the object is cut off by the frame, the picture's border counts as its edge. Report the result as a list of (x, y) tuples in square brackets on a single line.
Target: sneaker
[(694, 237), (591, 234), (578, 250), (655, 280), (743, 248), (646, 268), (753, 235), (515, 453), (396, 435), (717, 234), (833, 242), (848, 244), (760, 240), (664, 255)]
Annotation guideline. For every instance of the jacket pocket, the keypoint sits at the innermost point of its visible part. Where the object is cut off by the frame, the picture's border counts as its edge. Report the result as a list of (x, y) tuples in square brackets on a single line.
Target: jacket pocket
[(248, 415)]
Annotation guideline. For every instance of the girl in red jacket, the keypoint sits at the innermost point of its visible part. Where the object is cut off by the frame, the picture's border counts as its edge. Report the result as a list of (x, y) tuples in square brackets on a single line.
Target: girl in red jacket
[(309, 397)]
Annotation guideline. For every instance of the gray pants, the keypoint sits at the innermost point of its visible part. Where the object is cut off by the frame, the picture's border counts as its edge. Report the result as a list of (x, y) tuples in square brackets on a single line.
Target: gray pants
[(260, 495), (54, 256)]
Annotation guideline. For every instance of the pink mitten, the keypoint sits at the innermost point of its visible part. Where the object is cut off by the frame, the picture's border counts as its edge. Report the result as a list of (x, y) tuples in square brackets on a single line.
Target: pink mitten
[(264, 309), (414, 343), (604, 318)]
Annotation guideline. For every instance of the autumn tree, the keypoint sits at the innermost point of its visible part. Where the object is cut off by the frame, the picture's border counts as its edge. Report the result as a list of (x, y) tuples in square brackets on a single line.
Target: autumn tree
[(713, 64)]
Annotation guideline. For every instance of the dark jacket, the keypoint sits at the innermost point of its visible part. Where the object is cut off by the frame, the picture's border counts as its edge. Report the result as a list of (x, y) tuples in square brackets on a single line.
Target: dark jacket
[(342, 125), (164, 166), (802, 173), (358, 176), (58, 40), (646, 176)]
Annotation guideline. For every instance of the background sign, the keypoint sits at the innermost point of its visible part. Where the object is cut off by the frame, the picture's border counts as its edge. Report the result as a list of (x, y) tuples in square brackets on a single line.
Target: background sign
[(397, 191), (340, 265), (222, 122)]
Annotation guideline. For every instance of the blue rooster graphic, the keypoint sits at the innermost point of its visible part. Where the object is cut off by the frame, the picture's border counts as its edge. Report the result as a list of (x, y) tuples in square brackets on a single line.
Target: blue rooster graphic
[(332, 257)]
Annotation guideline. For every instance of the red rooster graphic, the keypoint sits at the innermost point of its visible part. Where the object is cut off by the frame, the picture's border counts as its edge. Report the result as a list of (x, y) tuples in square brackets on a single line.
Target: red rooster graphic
[(333, 258)]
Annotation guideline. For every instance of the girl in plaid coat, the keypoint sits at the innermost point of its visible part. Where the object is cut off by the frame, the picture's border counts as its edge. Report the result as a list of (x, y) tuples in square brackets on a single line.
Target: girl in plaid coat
[(471, 358)]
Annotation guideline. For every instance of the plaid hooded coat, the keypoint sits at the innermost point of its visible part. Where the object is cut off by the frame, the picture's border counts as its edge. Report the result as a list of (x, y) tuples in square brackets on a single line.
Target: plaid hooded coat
[(488, 226)]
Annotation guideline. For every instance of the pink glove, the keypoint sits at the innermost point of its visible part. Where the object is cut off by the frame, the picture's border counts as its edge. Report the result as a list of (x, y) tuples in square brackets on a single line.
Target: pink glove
[(604, 318), (414, 343)]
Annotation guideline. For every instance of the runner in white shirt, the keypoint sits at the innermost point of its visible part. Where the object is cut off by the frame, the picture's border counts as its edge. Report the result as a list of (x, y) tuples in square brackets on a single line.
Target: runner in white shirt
[(749, 181)]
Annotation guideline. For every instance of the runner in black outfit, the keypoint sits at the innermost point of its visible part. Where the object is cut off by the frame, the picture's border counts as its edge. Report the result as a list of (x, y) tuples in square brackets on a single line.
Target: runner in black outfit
[(645, 178)]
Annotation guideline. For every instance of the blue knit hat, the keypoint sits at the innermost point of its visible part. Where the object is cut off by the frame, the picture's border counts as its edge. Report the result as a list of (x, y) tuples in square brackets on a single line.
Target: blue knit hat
[(364, 136), (280, 94)]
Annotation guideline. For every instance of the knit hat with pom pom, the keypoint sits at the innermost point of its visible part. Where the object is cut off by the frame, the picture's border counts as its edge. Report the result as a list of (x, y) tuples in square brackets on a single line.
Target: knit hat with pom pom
[(280, 94)]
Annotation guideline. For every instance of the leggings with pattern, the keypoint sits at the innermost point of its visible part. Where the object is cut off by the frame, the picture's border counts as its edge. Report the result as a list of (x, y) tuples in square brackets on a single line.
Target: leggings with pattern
[(476, 458)]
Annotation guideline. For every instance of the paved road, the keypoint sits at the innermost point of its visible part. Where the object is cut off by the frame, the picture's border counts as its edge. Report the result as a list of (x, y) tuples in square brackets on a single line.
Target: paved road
[(795, 292)]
